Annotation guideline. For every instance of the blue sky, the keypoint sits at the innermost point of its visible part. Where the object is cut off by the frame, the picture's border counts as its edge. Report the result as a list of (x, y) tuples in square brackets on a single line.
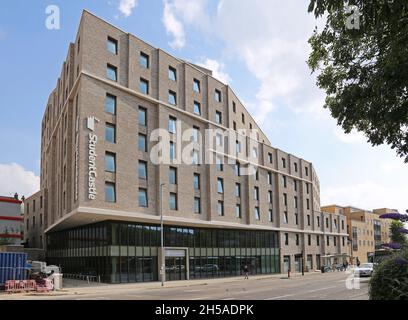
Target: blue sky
[(259, 47)]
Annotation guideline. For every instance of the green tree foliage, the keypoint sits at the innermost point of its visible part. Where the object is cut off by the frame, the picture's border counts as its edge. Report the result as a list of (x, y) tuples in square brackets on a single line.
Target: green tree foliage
[(396, 235), (364, 69)]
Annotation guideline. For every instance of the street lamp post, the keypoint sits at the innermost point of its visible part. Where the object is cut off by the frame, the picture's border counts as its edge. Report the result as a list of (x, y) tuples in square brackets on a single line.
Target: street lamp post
[(163, 262)]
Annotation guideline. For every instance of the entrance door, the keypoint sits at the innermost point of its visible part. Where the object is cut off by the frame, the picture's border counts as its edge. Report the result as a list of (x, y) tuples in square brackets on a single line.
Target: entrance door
[(298, 263), (286, 263), (175, 268)]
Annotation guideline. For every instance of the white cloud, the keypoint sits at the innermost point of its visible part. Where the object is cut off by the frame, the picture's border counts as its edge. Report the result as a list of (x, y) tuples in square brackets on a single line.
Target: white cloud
[(366, 195), (126, 7), (354, 137), (14, 178), (173, 26), (217, 68)]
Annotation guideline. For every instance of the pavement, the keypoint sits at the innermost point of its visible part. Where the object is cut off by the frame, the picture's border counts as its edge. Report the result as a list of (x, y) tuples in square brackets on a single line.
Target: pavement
[(311, 286)]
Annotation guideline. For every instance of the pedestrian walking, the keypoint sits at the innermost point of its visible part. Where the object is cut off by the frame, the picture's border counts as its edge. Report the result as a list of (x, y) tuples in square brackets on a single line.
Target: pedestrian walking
[(246, 271)]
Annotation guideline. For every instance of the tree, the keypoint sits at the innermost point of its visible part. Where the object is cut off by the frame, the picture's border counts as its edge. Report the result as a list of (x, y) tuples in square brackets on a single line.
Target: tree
[(361, 56), (396, 234)]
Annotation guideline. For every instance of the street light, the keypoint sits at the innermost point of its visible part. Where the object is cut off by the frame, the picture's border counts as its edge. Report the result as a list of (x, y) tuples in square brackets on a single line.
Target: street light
[(163, 262)]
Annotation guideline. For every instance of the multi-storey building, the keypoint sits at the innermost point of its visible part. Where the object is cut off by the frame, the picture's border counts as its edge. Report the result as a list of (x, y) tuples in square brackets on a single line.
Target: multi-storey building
[(104, 193), (367, 231), (10, 220), (34, 221)]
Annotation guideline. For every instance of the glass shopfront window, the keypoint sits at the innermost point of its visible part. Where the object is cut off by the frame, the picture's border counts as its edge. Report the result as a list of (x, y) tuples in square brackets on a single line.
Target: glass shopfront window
[(128, 252)]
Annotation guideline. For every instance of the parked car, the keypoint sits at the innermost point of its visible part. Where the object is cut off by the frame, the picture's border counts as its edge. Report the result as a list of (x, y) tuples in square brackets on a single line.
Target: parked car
[(340, 267), (364, 270)]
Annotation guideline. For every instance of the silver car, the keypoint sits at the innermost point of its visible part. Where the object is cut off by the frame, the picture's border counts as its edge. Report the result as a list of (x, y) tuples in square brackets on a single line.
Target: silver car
[(364, 270)]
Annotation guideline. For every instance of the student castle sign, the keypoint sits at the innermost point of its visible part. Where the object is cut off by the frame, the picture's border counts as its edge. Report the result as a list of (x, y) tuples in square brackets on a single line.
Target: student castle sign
[(92, 156)]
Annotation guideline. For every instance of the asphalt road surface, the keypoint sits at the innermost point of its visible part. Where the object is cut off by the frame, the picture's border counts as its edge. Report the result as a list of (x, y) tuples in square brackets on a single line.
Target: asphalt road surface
[(328, 286)]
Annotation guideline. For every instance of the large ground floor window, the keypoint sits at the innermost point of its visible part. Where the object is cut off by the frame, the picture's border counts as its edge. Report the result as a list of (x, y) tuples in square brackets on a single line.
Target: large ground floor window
[(122, 252)]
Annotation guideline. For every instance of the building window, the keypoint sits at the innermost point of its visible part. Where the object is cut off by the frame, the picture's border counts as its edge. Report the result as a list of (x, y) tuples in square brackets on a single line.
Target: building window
[(144, 86), (144, 60), (297, 239), (173, 201), (307, 171), (142, 142), (110, 192), (327, 222), (218, 139), (110, 104), (196, 85), (238, 146), (270, 157), (217, 95), (270, 215), (270, 178), (143, 197), (335, 241), (308, 219), (197, 108), (295, 202), (243, 118), (110, 162), (255, 153), (197, 205), (343, 239), (142, 170), (318, 221), (307, 204), (220, 185), (342, 224), (318, 240), (220, 208), (256, 174), (283, 162), (196, 132), (110, 133), (296, 218), (112, 45), (284, 182), (270, 196), (33, 222), (234, 107), (234, 125), (309, 240), (286, 239), (172, 99), (218, 117), (173, 175), (142, 116), (172, 150), (256, 193), (219, 164), (296, 167), (28, 224), (196, 157), (172, 74), (172, 124), (112, 72), (238, 190), (328, 240), (238, 211), (285, 217), (237, 169), (196, 181), (257, 215), (41, 223), (295, 185), (285, 199)]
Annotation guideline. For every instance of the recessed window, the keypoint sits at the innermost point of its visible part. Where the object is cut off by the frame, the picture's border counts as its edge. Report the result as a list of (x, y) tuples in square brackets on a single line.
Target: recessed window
[(270, 215), (283, 162), (112, 45), (142, 143), (308, 219), (257, 215), (270, 157), (307, 204), (110, 133), (317, 240), (284, 181), (238, 211), (197, 205), (112, 72), (234, 107), (237, 169), (295, 185), (144, 86), (172, 124), (217, 95), (256, 193), (197, 108), (172, 99), (306, 171), (218, 139), (234, 125), (142, 116), (220, 185), (173, 175), (307, 188), (143, 197), (196, 181), (295, 202), (172, 150), (254, 152), (196, 85), (196, 157), (296, 167), (219, 164), (110, 104), (196, 133), (297, 239), (285, 199), (110, 192), (238, 190), (110, 162), (238, 146), (144, 60), (172, 74), (270, 196), (243, 118), (142, 170), (296, 219), (309, 240), (286, 239), (269, 177), (318, 221), (173, 201), (328, 240), (220, 208), (218, 117)]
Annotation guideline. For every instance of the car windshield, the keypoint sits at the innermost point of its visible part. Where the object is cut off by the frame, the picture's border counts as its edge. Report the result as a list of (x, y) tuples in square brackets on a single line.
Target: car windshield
[(366, 265)]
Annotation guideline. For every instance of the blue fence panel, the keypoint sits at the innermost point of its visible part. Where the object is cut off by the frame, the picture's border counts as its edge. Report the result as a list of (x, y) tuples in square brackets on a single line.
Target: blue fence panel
[(12, 266)]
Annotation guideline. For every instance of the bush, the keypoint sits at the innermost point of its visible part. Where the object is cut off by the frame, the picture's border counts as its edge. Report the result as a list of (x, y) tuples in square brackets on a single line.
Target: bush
[(390, 278)]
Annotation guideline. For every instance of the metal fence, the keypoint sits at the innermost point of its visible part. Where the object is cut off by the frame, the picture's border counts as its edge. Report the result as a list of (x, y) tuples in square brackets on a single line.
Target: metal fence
[(83, 277), (12, 273)]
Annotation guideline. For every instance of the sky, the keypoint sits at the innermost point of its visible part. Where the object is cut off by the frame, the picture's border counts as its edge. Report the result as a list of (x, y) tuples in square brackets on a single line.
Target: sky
[(258, 47)]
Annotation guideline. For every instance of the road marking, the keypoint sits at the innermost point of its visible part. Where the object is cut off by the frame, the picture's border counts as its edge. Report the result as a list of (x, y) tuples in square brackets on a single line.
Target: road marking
[(192, 290), (280, 297), (321, 289)]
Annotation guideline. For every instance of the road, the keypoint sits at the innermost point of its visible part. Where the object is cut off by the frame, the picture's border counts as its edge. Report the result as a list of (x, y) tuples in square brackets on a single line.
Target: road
[(328, 286)]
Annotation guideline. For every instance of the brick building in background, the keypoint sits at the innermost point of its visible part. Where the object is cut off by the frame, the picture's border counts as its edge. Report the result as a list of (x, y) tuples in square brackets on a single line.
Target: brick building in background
[(11, 220), (101, 191)]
